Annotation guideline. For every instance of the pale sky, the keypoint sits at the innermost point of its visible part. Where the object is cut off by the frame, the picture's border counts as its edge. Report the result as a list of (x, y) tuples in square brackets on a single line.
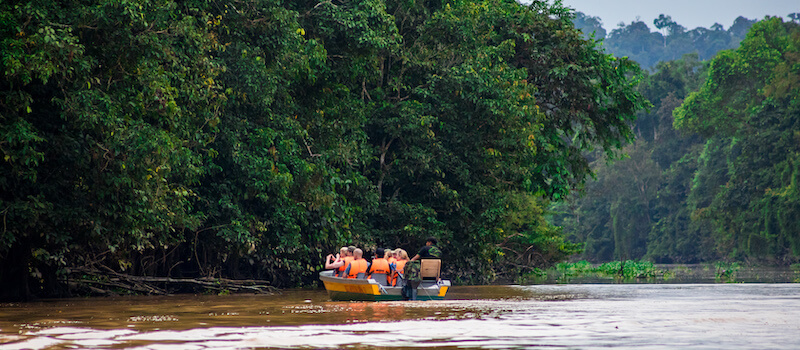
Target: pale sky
[(688, 13)]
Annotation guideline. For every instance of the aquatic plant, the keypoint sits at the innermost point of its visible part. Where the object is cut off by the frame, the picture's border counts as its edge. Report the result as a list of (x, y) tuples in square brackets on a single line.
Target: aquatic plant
[(629, 269), (619, 270), (574, 268), (726, 271), (534, 276)]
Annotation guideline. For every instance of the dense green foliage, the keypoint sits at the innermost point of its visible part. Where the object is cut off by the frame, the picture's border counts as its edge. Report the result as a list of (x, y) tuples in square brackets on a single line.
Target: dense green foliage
[(722, 187), (670, 42), (251, 138), (617, 215), (749, 109), (619, 271)]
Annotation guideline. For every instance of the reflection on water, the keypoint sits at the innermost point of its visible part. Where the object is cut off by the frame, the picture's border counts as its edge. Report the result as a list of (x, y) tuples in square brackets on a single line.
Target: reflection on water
[(711, 316)]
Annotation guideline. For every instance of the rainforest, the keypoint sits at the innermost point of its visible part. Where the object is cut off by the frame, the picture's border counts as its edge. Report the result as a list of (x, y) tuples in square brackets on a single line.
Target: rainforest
[(714, 169), (246, 140)]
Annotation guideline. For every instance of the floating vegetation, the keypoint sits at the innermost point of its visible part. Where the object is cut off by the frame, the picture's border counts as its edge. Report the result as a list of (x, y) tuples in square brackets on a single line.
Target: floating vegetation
[(620, 271), (726, 271), (632, 271)]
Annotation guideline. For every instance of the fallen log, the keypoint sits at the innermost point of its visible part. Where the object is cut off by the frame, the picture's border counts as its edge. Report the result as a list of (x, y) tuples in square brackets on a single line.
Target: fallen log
[(107, 281)]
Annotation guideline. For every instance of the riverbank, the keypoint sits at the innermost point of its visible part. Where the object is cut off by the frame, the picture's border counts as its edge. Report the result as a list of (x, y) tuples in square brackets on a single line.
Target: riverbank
[(647, 272), (95, 284)]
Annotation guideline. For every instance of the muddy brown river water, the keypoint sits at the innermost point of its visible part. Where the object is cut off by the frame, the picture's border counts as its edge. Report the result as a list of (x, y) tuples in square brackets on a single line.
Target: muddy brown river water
[(588, 316)]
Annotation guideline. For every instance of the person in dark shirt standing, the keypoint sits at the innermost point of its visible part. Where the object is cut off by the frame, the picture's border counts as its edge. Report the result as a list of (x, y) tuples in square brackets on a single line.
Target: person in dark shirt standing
[(412, 275), (429, 251)]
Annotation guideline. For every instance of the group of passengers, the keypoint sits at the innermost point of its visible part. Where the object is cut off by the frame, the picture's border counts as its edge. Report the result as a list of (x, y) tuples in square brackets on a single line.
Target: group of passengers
[(388, 263)]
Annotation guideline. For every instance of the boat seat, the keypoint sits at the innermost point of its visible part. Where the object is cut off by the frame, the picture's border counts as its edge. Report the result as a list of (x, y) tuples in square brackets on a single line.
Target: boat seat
[(430, 268), (380, 278), (361, 276)]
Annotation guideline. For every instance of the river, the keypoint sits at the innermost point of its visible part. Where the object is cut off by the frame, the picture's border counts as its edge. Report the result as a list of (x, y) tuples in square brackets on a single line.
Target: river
[(586, 316)]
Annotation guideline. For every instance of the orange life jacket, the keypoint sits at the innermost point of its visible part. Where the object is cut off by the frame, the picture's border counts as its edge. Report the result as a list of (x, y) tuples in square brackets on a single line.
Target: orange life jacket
[(347, 261), (379, 266), (356, 267), (397, 271), (392, 260), (400, 265)]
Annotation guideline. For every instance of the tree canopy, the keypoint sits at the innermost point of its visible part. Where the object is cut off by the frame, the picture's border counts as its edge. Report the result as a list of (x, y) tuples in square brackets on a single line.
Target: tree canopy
[(721, 184), (249, 139), (748, 108), (669, 42)]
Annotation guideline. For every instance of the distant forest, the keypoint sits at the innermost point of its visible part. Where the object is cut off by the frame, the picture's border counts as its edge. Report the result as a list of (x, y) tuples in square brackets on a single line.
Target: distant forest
[(670, 42), (713, 173)]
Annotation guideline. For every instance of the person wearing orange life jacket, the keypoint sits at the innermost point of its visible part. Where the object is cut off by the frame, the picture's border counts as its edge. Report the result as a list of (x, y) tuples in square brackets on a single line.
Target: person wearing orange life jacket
[(390, 256), (336, 262), (380, 264), (402, 259), (357, 265), (346, 260)]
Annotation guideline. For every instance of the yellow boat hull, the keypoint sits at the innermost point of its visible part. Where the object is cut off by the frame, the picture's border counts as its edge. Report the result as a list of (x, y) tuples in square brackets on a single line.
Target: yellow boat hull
[(348, 289)]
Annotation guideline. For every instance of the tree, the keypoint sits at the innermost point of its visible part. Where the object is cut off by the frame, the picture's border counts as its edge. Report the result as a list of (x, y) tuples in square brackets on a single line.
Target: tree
[(664, 24), (463, 153), (635, 206), (745, 189), (247, 140), (674, 40), (590, 26)]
